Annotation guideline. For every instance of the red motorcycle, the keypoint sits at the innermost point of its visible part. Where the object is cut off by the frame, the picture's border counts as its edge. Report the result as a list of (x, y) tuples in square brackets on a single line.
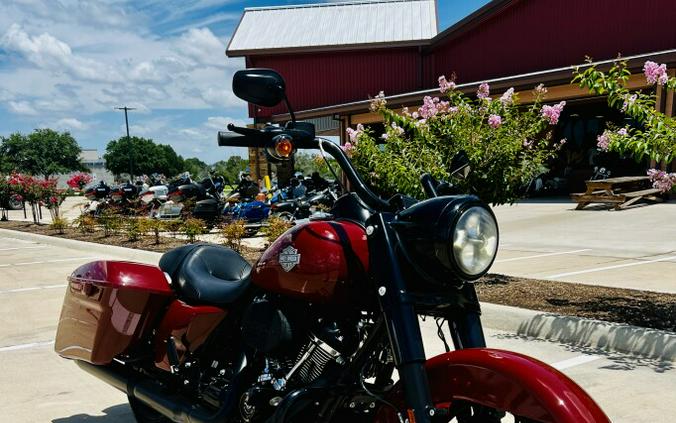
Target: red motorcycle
[(325, 325)]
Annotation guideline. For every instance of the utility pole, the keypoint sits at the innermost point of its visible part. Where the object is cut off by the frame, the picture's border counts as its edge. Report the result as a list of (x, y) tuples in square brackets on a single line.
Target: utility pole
[(131, 161)]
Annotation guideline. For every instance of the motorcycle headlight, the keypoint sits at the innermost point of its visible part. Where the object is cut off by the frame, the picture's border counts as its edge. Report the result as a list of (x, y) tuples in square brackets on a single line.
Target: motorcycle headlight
[(475, 241), (448, 240)]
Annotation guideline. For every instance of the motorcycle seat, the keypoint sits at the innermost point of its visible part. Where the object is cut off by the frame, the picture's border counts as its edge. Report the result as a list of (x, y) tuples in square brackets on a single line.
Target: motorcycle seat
[(207, 273)]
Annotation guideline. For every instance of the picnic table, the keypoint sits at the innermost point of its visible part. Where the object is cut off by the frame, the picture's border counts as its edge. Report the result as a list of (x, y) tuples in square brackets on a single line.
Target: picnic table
[(621, 192)]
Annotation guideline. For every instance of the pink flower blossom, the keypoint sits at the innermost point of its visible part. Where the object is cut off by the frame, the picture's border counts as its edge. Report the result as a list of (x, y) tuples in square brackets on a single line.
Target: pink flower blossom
[(628, 102), (378, 102), (445, 85), (494, 121), (603, 142), (508, 97), (354, 134), (623, 132), (347, 148), (563, 141), (453, 109), (654, 73), (527, 143), (540, 90), (552, 113), (662, 180), (484, 91), (397, 129), (429, 107)]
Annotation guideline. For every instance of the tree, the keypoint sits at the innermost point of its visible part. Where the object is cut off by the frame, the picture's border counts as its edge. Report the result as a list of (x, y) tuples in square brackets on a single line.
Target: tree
[(44, 152), (507, 145), (230, 168), (194, 166), (147, 157)]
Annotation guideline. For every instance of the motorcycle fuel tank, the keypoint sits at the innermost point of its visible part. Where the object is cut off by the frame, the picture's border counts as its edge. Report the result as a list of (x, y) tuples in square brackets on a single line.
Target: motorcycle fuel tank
[(318, 261)]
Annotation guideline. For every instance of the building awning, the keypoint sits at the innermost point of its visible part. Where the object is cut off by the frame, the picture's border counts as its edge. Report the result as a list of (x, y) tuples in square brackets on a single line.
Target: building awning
[(334, 26)]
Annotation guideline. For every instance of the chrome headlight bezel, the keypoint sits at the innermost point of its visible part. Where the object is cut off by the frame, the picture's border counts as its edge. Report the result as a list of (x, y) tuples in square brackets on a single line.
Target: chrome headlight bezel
[(485, 216)]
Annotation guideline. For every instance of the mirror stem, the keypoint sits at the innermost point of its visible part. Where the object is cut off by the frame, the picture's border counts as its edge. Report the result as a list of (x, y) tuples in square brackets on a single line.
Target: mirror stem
[(289, 108)]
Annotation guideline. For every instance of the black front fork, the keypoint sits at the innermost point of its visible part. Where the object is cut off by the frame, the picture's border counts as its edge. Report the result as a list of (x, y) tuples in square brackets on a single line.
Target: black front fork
[(400, 317), (403, 328)]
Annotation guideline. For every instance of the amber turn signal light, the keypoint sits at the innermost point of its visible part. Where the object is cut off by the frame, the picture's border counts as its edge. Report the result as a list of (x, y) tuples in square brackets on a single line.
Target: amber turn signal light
[(282, 148)]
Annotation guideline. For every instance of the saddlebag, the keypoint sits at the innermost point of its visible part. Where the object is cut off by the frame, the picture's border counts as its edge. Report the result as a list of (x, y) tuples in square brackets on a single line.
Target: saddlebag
[(108, 307)]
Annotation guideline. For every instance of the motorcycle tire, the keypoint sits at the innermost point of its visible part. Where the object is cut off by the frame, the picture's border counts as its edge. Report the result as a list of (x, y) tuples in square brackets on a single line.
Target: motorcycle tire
[(286, 216), (144, 414), (15, 204)]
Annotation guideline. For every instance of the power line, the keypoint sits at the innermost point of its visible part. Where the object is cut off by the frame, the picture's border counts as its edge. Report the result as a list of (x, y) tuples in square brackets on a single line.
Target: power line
[(131, 160)]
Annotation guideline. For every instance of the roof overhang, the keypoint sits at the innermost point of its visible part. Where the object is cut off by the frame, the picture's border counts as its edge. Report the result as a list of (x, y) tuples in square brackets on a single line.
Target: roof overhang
[(520, 82), (328, 49)]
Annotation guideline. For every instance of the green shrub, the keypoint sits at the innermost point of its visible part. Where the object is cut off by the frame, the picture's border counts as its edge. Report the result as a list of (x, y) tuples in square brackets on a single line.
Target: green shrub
[(233, 233), (192, 228), (155, 226), (110, 222), (275, 228), (136, 228), (85, 223), (59, 224)]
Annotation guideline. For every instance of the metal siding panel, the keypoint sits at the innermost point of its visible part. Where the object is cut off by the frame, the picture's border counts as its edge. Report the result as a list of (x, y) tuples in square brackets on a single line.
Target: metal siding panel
[(315, 80), (545, 34)]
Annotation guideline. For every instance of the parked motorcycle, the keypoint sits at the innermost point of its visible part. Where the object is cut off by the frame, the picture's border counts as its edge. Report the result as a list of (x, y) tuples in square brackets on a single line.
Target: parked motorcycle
[(204, 198), (97, 196), (304, 207), (315, 331)]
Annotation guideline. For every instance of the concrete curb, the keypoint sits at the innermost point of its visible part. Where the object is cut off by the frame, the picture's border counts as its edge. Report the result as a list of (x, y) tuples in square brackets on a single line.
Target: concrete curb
[(89, 247), (596, 334)]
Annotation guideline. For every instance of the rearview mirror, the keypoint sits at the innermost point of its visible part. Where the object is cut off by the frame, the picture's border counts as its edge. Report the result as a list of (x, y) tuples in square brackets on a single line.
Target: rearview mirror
[(262, 87), (460, 165)]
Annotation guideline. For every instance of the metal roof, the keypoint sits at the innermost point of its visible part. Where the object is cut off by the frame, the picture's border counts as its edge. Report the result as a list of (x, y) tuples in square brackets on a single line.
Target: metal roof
[(328, 26)]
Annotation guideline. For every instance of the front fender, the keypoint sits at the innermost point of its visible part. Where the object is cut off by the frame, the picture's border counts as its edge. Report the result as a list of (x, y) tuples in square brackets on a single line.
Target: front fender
[(505, 381)]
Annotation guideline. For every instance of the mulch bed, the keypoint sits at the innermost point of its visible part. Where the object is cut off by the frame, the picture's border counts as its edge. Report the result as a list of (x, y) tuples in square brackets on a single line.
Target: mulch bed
[(640, 308), (144, 243)]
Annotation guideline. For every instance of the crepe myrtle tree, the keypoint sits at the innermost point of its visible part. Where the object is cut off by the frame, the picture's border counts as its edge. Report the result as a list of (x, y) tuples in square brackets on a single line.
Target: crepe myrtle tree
[(507, 145), (653, 135)]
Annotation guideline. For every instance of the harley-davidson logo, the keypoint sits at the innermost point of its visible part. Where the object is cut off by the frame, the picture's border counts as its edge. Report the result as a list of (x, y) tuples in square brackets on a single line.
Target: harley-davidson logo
[(289, 258)]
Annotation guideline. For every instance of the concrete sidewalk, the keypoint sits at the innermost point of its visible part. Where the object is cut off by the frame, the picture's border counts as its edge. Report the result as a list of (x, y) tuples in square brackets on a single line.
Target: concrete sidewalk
[(634, 248)]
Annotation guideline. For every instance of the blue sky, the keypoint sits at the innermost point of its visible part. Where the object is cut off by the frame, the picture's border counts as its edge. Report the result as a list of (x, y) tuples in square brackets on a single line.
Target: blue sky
[(66, 64)]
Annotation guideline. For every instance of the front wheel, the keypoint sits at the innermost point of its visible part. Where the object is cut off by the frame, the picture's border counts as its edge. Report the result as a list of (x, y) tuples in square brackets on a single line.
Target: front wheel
[(472, 384), (145, 414)]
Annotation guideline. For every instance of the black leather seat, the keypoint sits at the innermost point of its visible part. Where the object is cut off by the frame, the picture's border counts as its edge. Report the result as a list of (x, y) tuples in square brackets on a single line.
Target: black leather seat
[(206, 273)]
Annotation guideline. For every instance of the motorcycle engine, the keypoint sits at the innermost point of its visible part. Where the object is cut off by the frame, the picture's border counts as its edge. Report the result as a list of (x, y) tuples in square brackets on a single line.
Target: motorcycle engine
[(296, 350)]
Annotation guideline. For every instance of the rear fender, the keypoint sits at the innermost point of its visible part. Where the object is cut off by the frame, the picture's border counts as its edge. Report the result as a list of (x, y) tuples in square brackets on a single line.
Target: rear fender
[(505, 381)]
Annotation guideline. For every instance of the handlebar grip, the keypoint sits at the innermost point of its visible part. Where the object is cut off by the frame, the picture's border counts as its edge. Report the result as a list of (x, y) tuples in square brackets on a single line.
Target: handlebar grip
[(232, 139)]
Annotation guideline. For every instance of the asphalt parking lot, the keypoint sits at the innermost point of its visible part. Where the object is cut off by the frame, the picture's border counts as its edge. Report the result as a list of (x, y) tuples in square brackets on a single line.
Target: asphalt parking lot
[(38, 386)]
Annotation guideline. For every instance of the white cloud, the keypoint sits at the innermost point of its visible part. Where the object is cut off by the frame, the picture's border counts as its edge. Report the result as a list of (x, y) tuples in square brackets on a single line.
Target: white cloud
[(22, 108), (202, 46), (47, 52), (71, 123)]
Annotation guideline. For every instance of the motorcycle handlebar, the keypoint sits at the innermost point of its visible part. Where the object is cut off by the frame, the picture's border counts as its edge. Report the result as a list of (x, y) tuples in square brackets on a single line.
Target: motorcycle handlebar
[(248, 137)]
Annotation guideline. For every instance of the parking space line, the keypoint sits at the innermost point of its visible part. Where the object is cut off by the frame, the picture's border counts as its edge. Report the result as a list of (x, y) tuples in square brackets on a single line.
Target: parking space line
[(34, 288), (47, 261), (542, 255), (23, 248), (617, 266), (575, 361), (26, 346)]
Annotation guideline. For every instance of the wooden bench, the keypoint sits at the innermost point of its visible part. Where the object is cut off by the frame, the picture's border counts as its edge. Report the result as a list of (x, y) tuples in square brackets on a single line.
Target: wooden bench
[(620, 192)]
